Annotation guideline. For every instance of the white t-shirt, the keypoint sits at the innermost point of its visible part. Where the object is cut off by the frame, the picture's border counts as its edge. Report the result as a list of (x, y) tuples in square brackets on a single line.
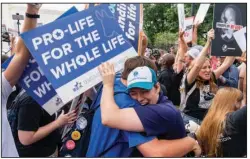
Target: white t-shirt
[(8, 144)]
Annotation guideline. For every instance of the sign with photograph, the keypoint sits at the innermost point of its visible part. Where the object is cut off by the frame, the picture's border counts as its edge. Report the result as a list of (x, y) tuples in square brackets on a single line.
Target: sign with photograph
[(228, 18)]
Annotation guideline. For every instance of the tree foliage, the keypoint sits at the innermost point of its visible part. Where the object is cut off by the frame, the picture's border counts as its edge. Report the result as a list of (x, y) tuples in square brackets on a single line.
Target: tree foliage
[(161, 22), (165, 40)]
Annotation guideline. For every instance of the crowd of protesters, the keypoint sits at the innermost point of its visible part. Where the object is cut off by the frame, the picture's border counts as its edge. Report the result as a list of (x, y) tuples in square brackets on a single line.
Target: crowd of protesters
[(178, 102)]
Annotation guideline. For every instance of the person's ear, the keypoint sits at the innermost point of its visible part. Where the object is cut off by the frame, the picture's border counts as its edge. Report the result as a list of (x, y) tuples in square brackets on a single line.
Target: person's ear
[(158, 87)]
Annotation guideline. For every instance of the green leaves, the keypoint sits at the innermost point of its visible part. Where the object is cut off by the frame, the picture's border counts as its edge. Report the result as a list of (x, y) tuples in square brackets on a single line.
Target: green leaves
[(164, 40), (163, 19)]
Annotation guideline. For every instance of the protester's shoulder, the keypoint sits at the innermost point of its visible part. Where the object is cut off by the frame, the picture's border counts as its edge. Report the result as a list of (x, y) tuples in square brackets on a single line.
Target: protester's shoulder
[(123, 100), (121, 95), (188, 86), (179, 75), (237, 117), (118, 85), (25, 99)]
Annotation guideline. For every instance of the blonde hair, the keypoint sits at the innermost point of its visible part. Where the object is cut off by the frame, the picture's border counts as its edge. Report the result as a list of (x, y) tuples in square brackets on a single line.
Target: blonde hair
[(213, 124)]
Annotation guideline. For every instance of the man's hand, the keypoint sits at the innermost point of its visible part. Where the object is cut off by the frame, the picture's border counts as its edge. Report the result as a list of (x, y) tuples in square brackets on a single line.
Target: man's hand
[(181, 34), (197, 24), (64, 119), (107, 72), (242, 58), (210, 35)]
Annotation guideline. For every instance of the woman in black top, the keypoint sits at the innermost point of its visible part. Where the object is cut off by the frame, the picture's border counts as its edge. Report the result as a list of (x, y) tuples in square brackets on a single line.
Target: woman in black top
[(202, 79), (223, 132)]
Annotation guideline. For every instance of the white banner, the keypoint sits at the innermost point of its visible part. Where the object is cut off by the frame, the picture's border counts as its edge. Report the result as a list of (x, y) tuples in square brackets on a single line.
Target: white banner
[(188, 35), (240, 38), (181, 16), (202, 12)]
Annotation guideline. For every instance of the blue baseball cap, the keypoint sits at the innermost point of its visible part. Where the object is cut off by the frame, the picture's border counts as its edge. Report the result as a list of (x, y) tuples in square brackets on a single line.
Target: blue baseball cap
[(141, 77)]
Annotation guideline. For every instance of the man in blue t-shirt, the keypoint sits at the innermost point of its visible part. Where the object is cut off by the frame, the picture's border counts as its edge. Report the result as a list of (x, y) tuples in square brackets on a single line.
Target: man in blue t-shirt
[(108, 142)]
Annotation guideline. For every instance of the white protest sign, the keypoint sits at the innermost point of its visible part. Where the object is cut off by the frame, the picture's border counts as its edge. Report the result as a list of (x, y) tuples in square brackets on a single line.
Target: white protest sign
[(181, 16), (240, 38), (202, 12), (188, 35)]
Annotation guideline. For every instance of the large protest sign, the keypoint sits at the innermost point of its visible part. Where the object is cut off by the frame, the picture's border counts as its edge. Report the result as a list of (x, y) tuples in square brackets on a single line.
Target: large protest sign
[(69, 50), (36, 84), (201, 14), (181, 16), (90, 5), (130, 18), (228, 18), (240, 37), (188, 35), (72, 10)]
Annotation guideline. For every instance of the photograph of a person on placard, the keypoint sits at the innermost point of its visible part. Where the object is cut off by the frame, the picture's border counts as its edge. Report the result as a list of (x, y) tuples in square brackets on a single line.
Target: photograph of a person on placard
[(230, 15)]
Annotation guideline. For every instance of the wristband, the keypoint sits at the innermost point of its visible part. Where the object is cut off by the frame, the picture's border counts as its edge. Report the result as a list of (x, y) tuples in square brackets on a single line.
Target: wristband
[(32, 15)]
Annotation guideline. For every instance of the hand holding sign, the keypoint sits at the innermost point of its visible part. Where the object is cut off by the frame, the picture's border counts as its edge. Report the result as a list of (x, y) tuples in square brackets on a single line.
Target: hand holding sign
[(181, 35), (210, 35), (64, 119), (242, 58), (108, 74), (189, 29), (196, 25)]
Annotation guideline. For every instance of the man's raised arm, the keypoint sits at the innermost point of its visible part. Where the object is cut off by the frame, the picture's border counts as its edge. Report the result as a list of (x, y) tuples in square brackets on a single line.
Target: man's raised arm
[(22, 55)]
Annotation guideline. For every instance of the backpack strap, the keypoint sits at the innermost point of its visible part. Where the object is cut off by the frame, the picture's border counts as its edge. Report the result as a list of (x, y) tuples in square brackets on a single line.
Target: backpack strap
[(183, 106), (13, 104)]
